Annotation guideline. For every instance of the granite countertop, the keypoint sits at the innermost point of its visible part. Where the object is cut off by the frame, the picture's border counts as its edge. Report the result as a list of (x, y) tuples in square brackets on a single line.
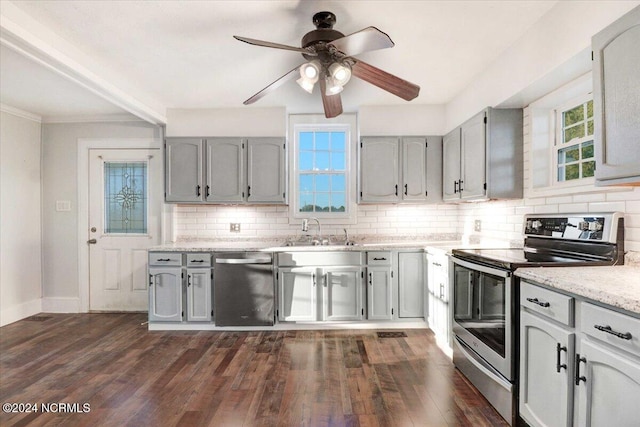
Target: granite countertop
[(617, 286)]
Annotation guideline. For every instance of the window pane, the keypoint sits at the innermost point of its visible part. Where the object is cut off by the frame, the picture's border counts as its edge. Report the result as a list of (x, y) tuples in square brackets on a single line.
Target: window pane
[(573, 116), (588, 169), (322, 202), (590, 109), (322, 140), (306, 202), (125, 193), (337, 202), (322, 183), (574, 132), (572, 172), (590, 127), (337, 161), (306, 183), (306, 160), (560, 173), (306, 140), (587, 150), (337, 141), (338, 182), (569, 154), (322, 160)]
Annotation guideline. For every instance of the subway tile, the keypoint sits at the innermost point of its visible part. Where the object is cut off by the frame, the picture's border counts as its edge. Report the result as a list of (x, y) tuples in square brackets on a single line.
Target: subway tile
[(573, 207), (591, 197), (606, 206), (624, 195)]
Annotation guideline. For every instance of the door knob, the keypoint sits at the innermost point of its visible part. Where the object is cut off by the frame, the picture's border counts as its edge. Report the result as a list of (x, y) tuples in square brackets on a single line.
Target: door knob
[(92, 241)]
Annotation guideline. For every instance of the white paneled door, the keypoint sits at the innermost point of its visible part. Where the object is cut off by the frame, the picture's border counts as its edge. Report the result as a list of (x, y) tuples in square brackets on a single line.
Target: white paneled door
[(124, 221)]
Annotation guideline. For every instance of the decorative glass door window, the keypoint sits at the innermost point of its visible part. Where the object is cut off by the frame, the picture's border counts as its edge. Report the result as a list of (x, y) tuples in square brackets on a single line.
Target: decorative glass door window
[(322, 172), (125, 197), (575, 155)]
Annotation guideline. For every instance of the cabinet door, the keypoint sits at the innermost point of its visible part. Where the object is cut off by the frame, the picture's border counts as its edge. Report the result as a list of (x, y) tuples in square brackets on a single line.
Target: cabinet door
[(183, 170), (473, 144), (451, 165), (342, 296), (199, 300), (165, 294), (379, 169), (297, 292), (379, 296), (414, 169), (225, 170), (266, 174), (609, 394), (410, 284), (616, 98), (546, 388)]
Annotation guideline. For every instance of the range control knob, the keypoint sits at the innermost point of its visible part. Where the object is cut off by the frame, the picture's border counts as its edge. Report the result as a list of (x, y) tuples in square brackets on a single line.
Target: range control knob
[(536, 224)]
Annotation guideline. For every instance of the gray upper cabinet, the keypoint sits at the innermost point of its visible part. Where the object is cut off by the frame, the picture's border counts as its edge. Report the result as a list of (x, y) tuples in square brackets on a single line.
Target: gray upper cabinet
[(616, 101), (183, 170), (266, 179), (225, 170), (400, 169), (482, 159)]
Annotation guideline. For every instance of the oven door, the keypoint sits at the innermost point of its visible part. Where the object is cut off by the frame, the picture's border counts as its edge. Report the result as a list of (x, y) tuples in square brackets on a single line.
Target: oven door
[(482, 313)]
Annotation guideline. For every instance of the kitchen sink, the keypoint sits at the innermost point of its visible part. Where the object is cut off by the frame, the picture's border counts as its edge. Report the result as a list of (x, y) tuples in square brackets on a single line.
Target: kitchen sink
[(324, 242)]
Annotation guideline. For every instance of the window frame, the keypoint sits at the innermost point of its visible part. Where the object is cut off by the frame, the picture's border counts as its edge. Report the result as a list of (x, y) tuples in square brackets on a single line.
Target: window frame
[(559, 144), (318, 123)]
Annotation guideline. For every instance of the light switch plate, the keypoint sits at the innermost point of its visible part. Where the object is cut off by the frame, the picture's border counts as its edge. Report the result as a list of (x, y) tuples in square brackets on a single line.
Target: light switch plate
[(234, 227), (477, 225), (63, 205)]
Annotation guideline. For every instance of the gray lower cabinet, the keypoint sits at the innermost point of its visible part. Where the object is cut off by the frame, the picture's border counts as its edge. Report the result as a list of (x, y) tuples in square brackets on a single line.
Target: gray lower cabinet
[(379, 293), (482, 158), (165, 294), (199, 298), (297, 292), (438, 313), (225, 170), (616, 100), (342, 293), (400, 169), (579, 363), (411, 280)]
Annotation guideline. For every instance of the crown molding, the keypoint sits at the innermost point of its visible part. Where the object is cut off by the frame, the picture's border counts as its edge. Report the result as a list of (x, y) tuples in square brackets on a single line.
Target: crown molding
[(92, 118), (20, 113)]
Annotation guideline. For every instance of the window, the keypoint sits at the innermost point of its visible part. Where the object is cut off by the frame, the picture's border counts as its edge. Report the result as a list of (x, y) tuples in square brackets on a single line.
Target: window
[(321, 173), (125, 193), (574, 141)]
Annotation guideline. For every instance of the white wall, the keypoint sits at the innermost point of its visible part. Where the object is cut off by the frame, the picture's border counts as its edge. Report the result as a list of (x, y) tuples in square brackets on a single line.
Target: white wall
[(227, 122), (20, 232), (411, 119), (60, 183)]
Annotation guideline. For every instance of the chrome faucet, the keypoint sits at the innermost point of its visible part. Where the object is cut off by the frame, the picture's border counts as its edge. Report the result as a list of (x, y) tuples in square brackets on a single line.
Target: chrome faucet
[(305, 228)]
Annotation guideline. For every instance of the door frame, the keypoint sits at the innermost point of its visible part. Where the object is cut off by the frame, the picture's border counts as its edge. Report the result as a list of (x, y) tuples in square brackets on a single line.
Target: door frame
[(166, 215)]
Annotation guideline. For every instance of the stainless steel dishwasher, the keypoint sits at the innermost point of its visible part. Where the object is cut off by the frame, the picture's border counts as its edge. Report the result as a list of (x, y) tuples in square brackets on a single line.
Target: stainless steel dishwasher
[(244, 289)]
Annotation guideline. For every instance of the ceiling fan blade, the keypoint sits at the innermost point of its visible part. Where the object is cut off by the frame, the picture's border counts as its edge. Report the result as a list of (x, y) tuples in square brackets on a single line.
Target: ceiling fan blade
[(275, 45), (364, 40), (273, 86), (395, 85), (332, 103)]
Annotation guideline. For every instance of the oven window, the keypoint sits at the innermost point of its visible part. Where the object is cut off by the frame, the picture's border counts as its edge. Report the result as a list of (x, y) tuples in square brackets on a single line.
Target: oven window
[(479, 305)]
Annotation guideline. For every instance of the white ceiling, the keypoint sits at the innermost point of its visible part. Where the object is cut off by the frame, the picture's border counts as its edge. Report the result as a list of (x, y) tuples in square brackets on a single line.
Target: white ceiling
[(181, 54)]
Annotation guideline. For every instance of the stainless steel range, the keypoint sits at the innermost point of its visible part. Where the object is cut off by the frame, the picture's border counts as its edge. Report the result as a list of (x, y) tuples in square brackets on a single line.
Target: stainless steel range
[(486, 294)]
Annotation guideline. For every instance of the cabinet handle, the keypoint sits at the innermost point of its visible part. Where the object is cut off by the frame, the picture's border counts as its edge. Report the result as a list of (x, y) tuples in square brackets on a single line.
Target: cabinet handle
[(405, 189), (163, 259), (188, 280), (607, 329), (198, 190), (578, 377), (380, 259), (206, 189), (197, 260), (324, 280), (540, 303), (370, 279), (460, 186), (396, 189), (150, 279), (455, 187), (559, 366), (437, 264), (313, 278), (248, 191), (441, 290)]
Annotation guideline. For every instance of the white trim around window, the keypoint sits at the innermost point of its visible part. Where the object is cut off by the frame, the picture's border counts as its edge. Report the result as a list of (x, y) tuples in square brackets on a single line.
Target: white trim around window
[(318, 123)]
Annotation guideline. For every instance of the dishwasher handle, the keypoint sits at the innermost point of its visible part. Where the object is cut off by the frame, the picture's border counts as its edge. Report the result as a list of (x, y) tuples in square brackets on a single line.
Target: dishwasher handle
[(243, 261)]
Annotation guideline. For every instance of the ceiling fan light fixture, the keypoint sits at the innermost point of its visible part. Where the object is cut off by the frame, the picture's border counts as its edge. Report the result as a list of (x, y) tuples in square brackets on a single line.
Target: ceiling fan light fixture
[(340, 73), (333, 87), (310, 71), (306, 84)]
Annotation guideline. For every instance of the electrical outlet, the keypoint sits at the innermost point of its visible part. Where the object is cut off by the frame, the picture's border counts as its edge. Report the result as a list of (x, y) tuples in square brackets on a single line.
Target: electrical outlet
[(477, 225), (234, 227)]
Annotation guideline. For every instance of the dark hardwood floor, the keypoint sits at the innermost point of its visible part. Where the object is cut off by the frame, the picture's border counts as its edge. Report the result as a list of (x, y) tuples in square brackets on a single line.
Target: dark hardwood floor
[(132, 377)]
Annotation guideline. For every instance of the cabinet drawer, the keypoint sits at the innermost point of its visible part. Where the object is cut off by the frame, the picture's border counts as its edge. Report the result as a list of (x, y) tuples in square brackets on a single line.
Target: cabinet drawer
[(165, 258), (550, 304), (199, 260), (294, 259), (379, 258), (614, 328)]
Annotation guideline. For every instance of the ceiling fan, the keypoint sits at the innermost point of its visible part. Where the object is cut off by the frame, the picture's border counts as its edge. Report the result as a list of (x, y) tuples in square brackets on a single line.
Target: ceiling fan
[(331, 63)]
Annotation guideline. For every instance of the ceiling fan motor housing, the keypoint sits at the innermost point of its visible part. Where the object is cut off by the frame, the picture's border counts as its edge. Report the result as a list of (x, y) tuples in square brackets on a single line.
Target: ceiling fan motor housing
[(324, 33)]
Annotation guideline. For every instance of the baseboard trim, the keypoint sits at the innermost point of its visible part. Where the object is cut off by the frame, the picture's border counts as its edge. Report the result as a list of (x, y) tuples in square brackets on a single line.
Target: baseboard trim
[(61, 305), (20, 311)]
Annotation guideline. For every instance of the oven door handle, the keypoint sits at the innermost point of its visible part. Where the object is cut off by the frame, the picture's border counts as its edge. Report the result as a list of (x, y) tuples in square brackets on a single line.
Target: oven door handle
[(481, 268)]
